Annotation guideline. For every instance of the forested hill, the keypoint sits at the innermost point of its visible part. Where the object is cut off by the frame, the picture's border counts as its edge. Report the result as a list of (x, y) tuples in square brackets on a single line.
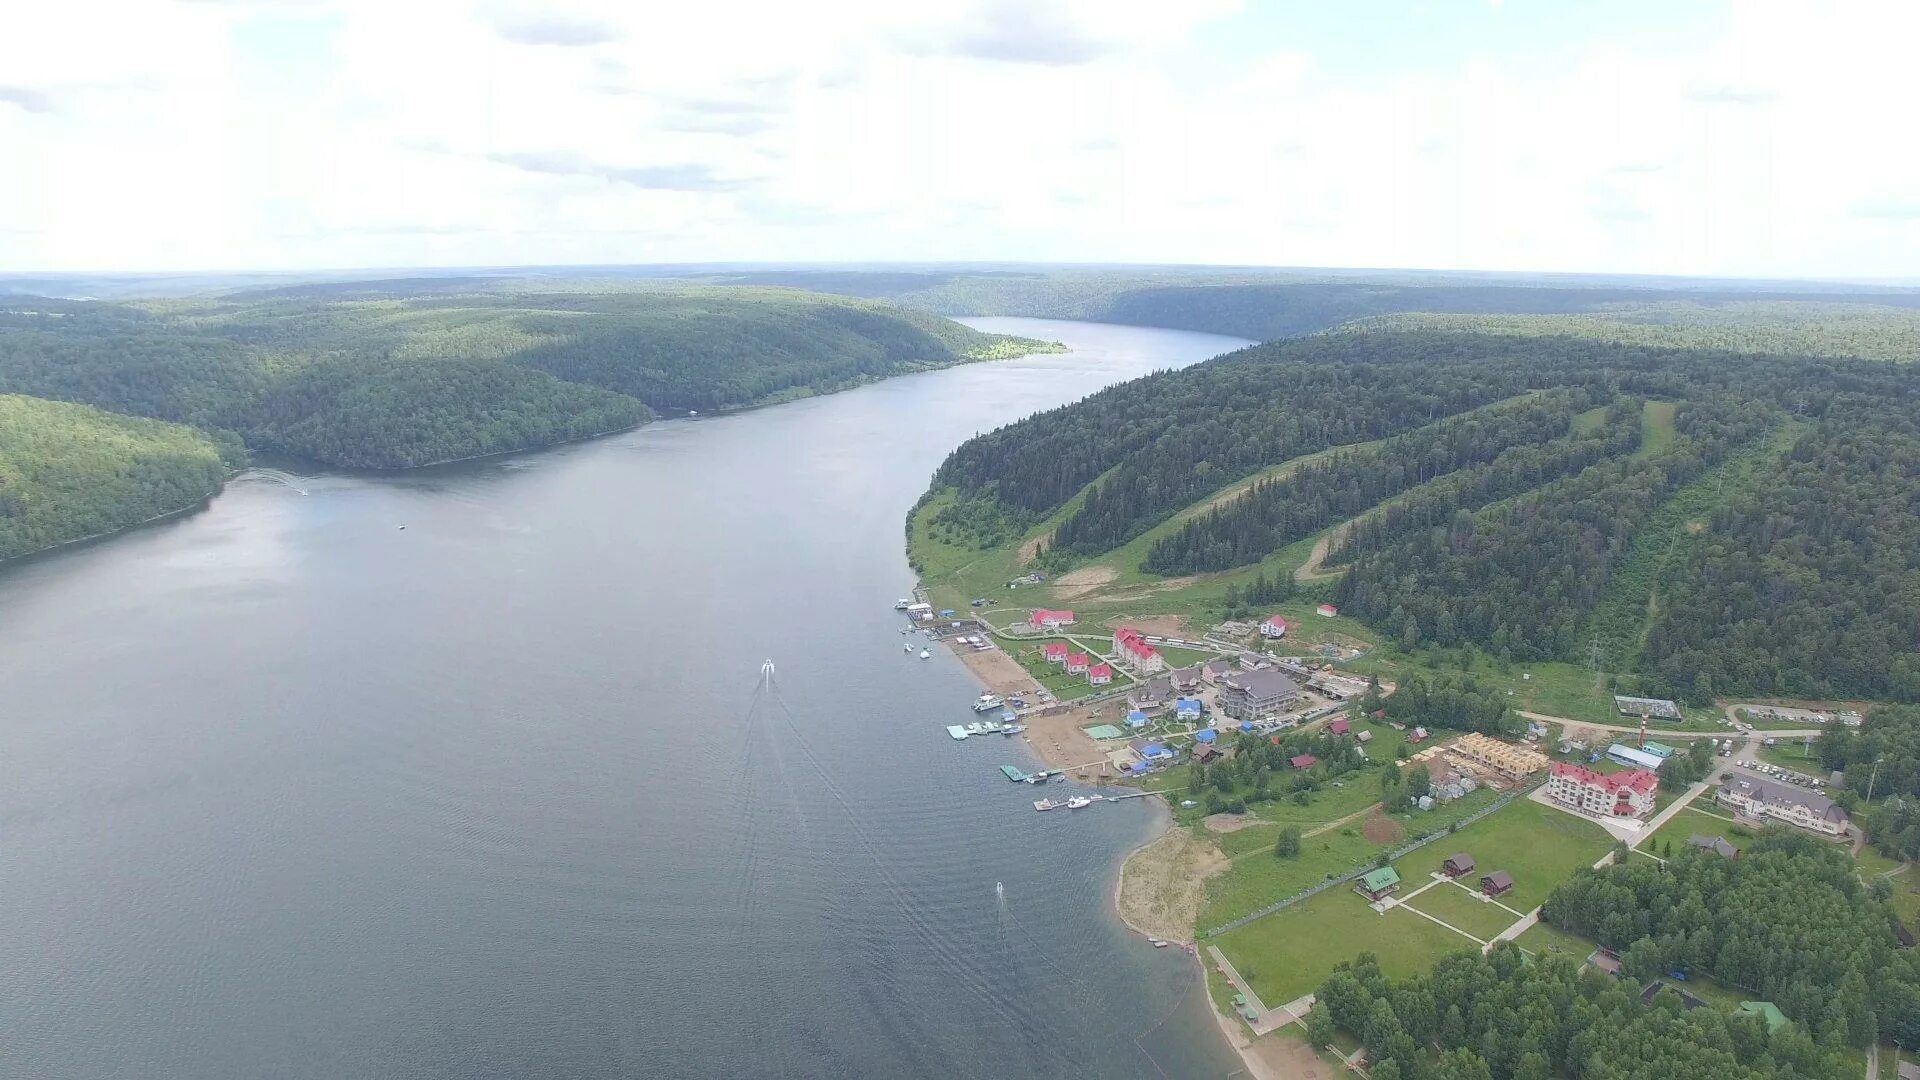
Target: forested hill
[(69, 471), (1701, 515), (1267, 305), (399, 377), (402, 374)]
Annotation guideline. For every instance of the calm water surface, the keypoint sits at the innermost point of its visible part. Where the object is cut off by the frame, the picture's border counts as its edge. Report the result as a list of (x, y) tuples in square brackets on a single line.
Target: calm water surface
[(290, 791)]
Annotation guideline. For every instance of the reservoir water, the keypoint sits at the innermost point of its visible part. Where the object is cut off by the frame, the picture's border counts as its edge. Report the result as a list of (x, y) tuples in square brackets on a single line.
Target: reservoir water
[(288, 790)]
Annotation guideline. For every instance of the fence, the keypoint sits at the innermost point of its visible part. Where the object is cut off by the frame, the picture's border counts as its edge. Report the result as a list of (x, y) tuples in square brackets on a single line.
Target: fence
[(1405, 850)]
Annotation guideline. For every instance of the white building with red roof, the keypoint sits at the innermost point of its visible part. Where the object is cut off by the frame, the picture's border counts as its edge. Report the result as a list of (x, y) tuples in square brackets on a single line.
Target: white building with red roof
[(1274, 627), (1077, 663), (1055, 652), (1099, 675), (1621, 794), (1131, 647), (1042, 619)]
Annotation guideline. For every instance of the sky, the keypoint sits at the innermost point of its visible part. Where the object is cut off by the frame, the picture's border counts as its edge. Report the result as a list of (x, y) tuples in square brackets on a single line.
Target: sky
[(1765, 139)]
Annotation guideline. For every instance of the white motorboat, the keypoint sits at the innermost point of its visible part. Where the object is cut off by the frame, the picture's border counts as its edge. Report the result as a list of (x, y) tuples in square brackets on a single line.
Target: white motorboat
[(1078, 802), (988, 701), (1047, 804), (926, 654)]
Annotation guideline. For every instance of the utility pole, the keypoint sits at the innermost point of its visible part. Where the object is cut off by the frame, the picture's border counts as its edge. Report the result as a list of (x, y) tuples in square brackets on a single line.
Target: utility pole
[(1874, 775)]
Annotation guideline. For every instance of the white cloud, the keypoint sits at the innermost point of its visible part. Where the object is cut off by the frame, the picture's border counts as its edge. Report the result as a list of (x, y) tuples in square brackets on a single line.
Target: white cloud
[(356, 132)]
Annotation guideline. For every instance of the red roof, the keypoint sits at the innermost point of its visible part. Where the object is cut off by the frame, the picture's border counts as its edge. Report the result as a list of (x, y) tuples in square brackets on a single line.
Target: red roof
[(1054, 649), (1304, 761), (1636, 780), (1275, 620), (1327, 609), (1340, 726), (1077, 659), (1042, 615), (1099, 671), (1133, 641)]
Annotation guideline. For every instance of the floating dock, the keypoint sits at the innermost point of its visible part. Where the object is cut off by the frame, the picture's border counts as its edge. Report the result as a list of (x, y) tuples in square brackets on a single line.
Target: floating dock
[(1012, 773)]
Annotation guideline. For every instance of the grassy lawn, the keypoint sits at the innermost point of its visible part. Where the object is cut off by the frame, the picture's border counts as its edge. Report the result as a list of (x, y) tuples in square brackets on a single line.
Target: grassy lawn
[(1259, 880), (1656, 429), (1064, 686), (1456, 906), (1872, 864), (1538, 845), (1541, 939), (1177, 657), (1289, 954), (1695, 819), (1791, 754)]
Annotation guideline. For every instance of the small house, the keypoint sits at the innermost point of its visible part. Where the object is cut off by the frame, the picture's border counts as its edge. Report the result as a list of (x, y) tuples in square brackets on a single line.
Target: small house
[(1097, 675), (1043, 619), (1188, 709), (1304, 761), (1273, 627), (1327, 610), (1457, 865), (1055, 652), (1186, 680), (1339, 726), (1077, 663), (1419, 735), (1205, 752), (1716, 844), (1136, 718), (1378, 884), (1205, 735), (1605, 959), (1211, 671), (1497, 884), (1365, 736)]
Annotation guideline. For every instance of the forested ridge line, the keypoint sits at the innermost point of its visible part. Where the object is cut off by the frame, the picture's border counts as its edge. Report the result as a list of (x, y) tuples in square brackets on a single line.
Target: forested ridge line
[(1513, 545), (398, 375), (393, 377)]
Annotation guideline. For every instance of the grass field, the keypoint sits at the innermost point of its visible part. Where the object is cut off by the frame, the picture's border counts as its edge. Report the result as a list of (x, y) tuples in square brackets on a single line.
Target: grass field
[(1538, 845), (1792, 754), (1259, 879), (1541, 939), (1289, 954), (1457, 907), (1656, 429), (1697, 818)]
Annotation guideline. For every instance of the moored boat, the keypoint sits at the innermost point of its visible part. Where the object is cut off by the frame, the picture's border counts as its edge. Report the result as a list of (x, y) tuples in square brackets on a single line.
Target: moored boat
[(1078, 802), (988, 701), (1047, 804), (926, 654)]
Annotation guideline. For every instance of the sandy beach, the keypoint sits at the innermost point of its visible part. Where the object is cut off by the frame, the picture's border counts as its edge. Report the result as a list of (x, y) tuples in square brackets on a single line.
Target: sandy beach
[(1163, 884)]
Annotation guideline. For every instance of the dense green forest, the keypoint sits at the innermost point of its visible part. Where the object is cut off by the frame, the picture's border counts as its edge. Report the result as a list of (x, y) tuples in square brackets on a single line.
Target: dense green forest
[(1789, 921), (70, 471), (1501, 1017), (407, 373), (1717, 520)]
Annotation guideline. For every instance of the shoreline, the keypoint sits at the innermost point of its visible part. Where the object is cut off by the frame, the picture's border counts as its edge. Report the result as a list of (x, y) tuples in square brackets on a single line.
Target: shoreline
[(983, 665)]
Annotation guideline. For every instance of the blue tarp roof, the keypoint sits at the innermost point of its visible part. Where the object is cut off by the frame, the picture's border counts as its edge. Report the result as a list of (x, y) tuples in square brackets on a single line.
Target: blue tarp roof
[(1205, 736), (1244, 726), (1139, 766), (1154, 749), (1136, 718), (1187, 704)]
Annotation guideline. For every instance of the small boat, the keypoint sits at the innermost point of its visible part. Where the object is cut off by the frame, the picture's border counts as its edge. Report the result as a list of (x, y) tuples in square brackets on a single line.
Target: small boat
[(908, 647), (1047, 804), (1157, 943), (1013, 729), (902, 604), (988, 701), (1079, 802), (925, 654)]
